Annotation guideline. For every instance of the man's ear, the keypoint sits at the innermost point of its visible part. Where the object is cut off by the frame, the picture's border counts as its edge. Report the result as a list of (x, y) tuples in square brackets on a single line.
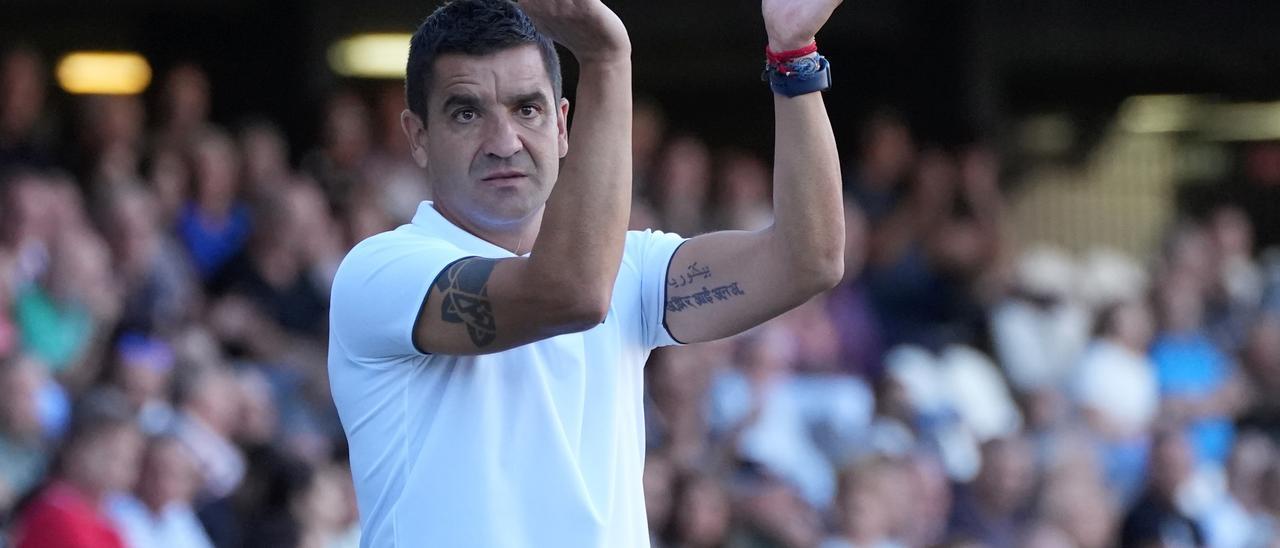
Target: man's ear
[(562, 126), (416, 130)]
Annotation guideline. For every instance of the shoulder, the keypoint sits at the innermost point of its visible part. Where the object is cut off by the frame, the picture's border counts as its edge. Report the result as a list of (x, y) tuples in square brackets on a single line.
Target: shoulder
[(388, 248), (642, 246)]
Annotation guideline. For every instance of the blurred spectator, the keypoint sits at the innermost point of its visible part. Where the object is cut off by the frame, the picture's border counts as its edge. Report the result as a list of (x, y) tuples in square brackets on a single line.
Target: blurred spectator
[(100, 456), (849, 304), (266, 159), (215, 224), (1157, 518), (864, 516), (169, 178), (1261, 358), (24, 444), (700, 514), (207, 405), (208, 402), (682, 185), (885, 156), (159, 513), (675, 421), (24, 140), (771, 415), (648, 128), (66, 319), (924, 259), (995, 508), (160, 290), (773, 515), (400, 184), (274, 272), (744, 195), (1238, 517), (111, 140), (1076, 501), (339, 163), (305, 508), (1240, 278), (184, 105), (1197, 381), (1039, 330), (8, 331), (659, 483), (142, 372), (1116, 389)]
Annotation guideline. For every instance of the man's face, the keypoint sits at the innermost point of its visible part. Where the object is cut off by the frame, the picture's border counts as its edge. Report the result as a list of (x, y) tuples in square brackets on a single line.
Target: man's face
[(493, 137)]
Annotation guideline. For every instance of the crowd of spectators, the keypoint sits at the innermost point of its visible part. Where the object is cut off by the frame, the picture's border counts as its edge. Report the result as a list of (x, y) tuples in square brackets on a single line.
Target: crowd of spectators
[(163, 317)]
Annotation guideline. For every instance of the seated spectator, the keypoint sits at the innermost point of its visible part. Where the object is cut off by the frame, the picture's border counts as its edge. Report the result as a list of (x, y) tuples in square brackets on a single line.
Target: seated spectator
[(142, 370), (996, 507), (67, 317), (1198, 382), (770, 415), (1237, 518), (24, 447), (100, 457), (864, 515), (159, 513), (659, 482), (214, 225), (25, 138), (160, 290), (700, 513), (1157, 519), (1115, 388)]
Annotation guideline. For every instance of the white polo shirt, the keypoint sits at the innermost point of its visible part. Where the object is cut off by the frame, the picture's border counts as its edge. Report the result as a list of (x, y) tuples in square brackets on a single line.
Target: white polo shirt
[(538, 446)]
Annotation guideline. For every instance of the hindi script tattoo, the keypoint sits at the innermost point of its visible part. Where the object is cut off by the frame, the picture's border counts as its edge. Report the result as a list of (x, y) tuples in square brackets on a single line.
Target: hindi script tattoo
[(465, 288), (676, 303)]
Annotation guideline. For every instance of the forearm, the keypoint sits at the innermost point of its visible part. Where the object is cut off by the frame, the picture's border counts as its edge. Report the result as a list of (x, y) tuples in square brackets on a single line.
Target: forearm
[(585, 222), (808, 206)]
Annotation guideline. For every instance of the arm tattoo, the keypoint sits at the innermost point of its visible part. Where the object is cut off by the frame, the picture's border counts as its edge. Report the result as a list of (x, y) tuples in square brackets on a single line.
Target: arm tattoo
[(465, 288), (676, 303)]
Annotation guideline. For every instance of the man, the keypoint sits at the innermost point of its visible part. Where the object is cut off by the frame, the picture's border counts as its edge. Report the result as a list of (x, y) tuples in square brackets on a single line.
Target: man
[(486, 359), (99, 457)]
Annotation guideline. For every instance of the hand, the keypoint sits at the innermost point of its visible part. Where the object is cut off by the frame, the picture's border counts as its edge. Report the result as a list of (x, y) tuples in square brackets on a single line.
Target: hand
[(792, 24), (587, 28)]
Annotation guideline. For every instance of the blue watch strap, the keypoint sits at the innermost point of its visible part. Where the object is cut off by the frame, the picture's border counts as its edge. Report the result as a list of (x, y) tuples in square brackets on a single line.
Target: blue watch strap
[(807, 79)]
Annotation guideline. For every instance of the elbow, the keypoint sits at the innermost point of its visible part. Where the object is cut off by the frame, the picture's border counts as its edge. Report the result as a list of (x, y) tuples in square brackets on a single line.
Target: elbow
[(822, 272), (589, 313), (577, 309), (828, 272), (822, 269)]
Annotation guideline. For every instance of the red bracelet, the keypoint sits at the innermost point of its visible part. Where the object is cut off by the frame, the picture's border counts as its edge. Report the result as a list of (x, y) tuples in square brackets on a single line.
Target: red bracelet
[(781, 57)]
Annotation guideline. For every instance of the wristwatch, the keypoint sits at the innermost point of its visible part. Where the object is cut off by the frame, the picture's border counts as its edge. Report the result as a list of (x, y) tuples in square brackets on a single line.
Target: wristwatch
[(799, 76)]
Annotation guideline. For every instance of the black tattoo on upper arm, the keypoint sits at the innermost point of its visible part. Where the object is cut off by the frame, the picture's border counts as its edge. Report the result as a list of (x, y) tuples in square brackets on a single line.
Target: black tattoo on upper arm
[(465, 299), (688, 277), (676, 303)]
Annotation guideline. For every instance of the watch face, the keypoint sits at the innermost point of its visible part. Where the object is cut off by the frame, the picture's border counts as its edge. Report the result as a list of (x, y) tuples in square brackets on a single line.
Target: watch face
[(804, 65)]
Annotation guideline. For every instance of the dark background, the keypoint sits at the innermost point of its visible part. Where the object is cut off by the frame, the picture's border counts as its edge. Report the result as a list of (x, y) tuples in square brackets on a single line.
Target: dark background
[(959, 70)]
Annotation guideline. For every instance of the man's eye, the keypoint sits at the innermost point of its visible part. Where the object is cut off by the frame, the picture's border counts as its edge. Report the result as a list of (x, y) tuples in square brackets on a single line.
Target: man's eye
[(464, 115), (529, 111)]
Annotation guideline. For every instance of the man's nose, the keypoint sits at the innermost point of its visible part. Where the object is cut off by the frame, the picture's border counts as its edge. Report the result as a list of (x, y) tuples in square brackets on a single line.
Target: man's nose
[(502, 139)]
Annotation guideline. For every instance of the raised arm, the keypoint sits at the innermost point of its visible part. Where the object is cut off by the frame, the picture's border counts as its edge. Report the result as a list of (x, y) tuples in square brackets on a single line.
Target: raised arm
[(723, 283), (478, 305)]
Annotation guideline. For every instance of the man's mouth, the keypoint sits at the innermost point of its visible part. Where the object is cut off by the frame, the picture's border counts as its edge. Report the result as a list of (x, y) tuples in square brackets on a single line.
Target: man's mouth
[(503, 175)]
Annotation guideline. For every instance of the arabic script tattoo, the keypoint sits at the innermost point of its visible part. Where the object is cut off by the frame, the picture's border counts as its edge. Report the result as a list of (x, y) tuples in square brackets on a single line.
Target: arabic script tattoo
[(466, 298), (688, 277)]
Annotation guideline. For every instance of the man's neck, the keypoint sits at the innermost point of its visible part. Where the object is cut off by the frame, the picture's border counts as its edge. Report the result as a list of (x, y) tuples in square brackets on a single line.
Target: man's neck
[(517, 238)]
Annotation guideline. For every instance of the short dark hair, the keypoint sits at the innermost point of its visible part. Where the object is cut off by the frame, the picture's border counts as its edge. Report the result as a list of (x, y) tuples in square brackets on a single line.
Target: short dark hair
[(471, 27)]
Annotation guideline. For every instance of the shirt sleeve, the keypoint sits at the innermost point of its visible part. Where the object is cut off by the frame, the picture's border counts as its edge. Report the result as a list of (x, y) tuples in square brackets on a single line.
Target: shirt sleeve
[(653, 251), (378, 292)]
